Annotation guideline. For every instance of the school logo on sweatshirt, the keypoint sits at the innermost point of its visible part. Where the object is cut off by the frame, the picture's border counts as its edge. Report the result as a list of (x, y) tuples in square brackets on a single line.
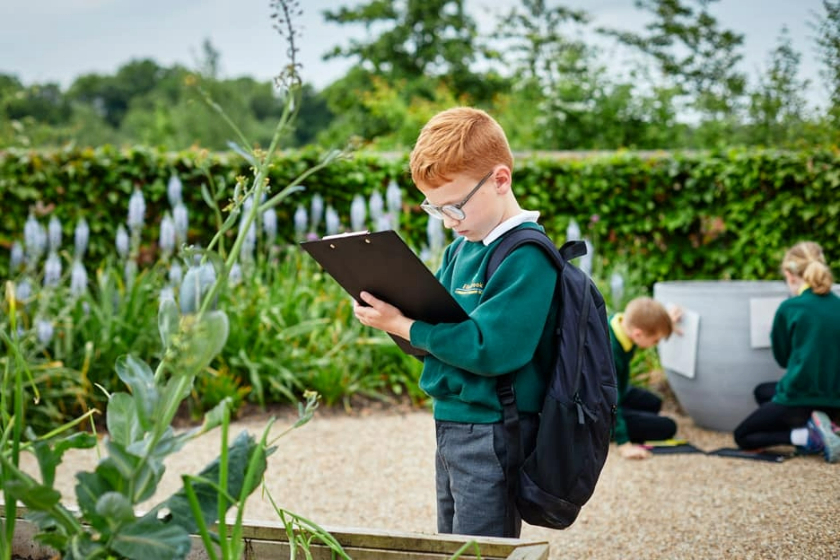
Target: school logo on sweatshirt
[(470, 289)]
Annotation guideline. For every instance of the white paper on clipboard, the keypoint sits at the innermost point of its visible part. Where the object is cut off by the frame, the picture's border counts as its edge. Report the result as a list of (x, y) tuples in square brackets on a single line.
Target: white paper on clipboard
[(762, 312), (679, 352)]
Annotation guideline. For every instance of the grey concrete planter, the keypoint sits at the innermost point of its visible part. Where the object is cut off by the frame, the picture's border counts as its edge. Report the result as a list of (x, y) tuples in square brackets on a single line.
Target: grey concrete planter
[(728, 366)]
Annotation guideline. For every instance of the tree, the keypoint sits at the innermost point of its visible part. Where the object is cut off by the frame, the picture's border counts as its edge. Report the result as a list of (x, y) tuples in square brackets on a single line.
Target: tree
[(534, 44), (697, 56), (425, 51), (208, 63), (314, 116), (828, 49), (110, 96), (562, 97), (777, 106), (44, 103), (432, 38), (551, 72)]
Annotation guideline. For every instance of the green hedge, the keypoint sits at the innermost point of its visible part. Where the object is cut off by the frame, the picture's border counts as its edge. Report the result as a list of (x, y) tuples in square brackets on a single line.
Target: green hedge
[(727, 214)]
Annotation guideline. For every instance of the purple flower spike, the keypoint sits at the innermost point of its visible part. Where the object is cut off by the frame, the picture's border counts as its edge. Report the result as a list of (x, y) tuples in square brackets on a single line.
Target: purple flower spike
[(122, 242), (16, 256), (358, 213), (78, 279), (182, 223), (301, 220), (167, 235), (173, 190), (52, 270), (136, 211), (54, 234), (81, 235)]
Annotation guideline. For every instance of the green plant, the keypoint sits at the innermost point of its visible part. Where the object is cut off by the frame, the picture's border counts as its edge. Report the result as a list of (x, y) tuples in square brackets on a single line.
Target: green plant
[(140, 437)]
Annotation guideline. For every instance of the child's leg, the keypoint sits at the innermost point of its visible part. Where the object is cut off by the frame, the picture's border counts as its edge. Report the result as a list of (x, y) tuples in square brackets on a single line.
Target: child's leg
[(445, 501), (637, 398), (647, 426), (764, 392), (770, 425), (470, 478), (471, 481)]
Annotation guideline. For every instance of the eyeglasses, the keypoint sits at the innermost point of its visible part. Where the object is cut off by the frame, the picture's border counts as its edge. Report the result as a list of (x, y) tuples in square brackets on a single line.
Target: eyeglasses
[(452, 210)]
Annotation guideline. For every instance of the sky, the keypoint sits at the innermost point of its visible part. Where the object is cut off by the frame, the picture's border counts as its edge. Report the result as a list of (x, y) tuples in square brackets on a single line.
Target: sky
[(59, 40)]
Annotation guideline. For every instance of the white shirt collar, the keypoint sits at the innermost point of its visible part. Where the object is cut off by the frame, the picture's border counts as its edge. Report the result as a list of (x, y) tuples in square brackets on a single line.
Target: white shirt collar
[(509, 224)]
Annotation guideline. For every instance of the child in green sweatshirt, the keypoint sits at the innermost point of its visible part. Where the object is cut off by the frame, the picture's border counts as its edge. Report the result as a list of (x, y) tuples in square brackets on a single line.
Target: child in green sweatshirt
[(463, 165), (643, 324), (799, 408)]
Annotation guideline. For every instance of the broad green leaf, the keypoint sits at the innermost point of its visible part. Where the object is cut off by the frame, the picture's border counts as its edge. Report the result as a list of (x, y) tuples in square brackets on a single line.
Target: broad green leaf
[(171, 442), (243, 450), (89, 487), (199, 341), (81, 546), (141, 380), (49, 453), (122, 419), (142, 477), (33, 496), (115, 508), (168, 444), (148, 539)]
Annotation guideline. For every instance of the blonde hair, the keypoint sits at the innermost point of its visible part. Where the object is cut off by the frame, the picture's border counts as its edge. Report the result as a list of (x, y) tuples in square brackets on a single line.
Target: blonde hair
[(806, 260), (649, 315), (458, 140)]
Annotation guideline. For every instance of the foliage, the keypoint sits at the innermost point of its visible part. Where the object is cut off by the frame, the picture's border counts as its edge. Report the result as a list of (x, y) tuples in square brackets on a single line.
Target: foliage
[(721, 214), (140, 436), (540, 70), (693, 52), (291, 330), (777, 107), (828, 47), (144, 102), (435, 38)]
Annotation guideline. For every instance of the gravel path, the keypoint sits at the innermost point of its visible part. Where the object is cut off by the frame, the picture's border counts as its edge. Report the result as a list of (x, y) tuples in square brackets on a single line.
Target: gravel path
[(375, 469)]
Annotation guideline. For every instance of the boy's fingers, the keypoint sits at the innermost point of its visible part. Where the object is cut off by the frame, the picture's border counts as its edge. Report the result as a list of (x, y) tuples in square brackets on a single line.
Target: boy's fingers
[(368, 298)]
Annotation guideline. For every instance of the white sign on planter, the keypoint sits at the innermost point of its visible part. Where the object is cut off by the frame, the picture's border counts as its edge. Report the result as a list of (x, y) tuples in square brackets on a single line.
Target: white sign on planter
[(762, 312), (679, 352)]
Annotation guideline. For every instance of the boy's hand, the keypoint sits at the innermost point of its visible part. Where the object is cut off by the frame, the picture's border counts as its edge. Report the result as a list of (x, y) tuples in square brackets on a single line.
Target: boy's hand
[(632, 451), (382, 316), (675, 313)]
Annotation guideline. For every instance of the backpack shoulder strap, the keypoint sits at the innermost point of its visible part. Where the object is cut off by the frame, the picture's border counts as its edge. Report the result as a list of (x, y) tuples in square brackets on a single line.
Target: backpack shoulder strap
[(573, 249), (514, 238)]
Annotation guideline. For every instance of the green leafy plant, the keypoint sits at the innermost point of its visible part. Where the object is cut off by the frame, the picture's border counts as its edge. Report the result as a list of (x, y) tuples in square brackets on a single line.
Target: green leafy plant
[(140, 436)]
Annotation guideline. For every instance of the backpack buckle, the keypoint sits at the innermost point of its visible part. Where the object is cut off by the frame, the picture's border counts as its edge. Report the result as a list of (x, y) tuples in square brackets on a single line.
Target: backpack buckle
[(507, 396)]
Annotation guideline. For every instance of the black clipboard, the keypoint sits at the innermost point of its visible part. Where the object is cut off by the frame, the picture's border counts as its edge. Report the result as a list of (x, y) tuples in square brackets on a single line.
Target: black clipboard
[(382, 264), (758, 455)]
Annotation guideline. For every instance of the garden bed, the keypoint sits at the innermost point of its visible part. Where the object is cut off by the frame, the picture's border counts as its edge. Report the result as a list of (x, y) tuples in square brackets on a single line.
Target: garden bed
[(268, 540)]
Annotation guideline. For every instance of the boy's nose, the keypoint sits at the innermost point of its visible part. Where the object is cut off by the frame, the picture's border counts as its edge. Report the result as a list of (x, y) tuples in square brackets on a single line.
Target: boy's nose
[(449, 222)]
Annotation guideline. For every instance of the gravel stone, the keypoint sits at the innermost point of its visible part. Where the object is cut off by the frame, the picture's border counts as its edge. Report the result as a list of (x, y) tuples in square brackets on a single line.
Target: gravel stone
[(375, 469)]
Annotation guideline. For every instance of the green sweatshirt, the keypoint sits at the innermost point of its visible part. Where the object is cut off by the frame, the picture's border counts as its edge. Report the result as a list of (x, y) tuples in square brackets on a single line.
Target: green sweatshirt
[(510, 329), (806, 341), (622, 359)]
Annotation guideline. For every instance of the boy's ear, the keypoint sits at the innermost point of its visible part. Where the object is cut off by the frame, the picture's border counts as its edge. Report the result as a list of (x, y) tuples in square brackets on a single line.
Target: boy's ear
[(502, 179), (636, 333)]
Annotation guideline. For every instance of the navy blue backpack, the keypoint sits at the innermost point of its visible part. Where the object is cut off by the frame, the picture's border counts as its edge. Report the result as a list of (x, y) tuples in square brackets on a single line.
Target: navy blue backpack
[(558, 476)]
